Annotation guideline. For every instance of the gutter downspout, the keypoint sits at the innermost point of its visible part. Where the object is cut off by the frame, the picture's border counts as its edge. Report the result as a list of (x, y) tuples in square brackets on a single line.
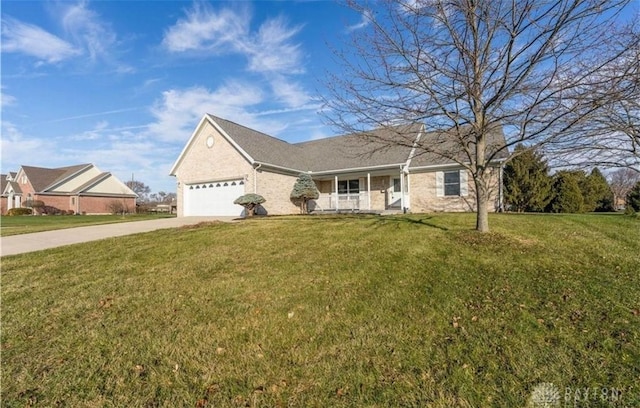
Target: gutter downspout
[(255, 178), (501, 188), (404, 210)]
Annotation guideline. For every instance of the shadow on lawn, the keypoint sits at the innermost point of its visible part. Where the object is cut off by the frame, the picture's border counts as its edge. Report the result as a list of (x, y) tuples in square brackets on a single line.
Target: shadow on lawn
[(424, 221)]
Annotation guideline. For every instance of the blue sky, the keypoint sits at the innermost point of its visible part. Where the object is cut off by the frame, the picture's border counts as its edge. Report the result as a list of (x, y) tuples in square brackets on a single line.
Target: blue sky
[(123, 84)]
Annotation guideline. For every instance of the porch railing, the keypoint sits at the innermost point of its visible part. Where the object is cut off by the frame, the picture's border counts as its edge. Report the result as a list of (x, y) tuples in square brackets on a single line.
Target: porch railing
[(344, 202)]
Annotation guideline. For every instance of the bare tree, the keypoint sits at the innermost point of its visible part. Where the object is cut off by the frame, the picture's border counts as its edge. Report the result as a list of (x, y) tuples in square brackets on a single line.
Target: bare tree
[(621, 182), (468, 67), (611, 137), (141, 189)]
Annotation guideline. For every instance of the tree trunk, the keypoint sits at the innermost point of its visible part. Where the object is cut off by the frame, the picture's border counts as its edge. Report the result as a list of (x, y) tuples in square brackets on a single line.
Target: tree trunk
[(482, 204), (251, 210)]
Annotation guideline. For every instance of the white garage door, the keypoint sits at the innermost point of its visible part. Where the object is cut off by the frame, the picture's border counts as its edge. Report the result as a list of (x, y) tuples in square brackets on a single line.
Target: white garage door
[(213, 198)]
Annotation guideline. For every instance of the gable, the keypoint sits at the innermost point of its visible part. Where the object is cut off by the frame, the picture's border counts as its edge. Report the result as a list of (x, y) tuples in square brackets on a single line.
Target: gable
[(73, 182), (210, 154), (106, 184)]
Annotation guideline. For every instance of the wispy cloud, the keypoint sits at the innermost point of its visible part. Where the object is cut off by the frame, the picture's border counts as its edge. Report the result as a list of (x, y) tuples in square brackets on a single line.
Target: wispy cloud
[(365, 20), (15, 146), (270, 49), (6, 99), (94, 35), (94, 114), (28, 39), (205, 30), (178, 111)]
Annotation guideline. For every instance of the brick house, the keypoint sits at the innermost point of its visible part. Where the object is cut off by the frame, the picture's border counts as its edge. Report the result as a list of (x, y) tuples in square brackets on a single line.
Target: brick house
[(223, 160), (81, 189)]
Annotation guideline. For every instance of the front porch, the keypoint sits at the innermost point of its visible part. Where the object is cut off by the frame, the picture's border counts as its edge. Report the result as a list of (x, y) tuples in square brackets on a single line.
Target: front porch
[(362, 193)]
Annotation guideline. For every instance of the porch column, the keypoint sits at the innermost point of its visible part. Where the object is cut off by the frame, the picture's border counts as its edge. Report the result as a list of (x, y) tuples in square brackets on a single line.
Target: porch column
[(369, 191), (336, 195), (402, 189)]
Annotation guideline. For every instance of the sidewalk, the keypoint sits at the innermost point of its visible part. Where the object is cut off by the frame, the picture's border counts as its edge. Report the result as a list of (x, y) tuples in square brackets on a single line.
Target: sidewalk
[(37, 241)]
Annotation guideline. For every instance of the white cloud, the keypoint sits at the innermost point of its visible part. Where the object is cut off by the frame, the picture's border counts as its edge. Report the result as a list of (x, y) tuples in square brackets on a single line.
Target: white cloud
[(268, 50), (289, 92), (6, 99), (365, 20), (94, 35), (15, 147), (203, 29), (271, 50), (19, 37), (180, 110)]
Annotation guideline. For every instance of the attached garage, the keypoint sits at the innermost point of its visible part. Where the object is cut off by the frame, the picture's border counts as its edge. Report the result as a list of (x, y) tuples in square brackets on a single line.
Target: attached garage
[(213, 198)]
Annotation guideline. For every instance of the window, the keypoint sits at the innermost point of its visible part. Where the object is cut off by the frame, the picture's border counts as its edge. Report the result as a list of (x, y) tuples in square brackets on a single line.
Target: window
[(397, 185), (451, 183), (349, 186)]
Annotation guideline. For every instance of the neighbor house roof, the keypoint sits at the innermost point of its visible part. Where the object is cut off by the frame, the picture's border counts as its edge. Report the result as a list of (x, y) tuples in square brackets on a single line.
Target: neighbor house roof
[(3, 182), (43, 178), (339, 153)]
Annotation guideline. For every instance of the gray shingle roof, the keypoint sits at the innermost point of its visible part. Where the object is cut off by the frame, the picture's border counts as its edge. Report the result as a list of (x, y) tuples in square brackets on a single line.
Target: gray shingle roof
[(262, 147), (370, 149), (362, 150)]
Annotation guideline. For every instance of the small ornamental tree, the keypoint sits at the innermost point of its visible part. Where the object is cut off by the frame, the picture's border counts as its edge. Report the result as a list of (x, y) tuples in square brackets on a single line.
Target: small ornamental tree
[(250, 202), (304, 190)]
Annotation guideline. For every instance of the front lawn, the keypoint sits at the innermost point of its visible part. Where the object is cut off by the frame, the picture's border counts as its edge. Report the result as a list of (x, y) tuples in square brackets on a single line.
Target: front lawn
[(343, 311), (25, 224)]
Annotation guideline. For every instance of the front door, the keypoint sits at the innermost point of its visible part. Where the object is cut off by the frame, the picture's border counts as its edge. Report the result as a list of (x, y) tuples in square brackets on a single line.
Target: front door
[(395, 193)]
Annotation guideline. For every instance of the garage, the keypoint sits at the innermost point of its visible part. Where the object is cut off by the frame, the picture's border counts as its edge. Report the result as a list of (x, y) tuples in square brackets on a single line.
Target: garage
[(213, 198)]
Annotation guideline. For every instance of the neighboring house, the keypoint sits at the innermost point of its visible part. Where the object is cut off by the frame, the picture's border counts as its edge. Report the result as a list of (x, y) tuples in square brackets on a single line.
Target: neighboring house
[(83, 189), (223, 160)]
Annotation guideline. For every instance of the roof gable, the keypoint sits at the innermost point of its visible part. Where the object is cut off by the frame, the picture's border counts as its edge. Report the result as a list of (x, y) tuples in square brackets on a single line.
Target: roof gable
[(42, 179)]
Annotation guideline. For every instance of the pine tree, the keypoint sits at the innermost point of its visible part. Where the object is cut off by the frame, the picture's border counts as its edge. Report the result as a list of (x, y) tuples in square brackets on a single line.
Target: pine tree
[(597, 193), (527, 184), (633, 198), (304, 190), (567, 196)]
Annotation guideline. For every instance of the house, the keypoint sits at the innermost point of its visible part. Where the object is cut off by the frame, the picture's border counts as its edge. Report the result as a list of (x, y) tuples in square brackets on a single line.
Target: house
[(223, 160), (80, 189)]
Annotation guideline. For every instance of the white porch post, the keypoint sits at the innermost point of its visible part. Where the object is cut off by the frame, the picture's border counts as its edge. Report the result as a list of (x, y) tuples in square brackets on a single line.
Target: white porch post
[(336, 195), (402, 189), (369, 191)]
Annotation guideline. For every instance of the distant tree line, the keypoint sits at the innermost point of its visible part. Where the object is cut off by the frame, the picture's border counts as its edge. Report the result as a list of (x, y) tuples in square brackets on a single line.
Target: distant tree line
[(530, 187)]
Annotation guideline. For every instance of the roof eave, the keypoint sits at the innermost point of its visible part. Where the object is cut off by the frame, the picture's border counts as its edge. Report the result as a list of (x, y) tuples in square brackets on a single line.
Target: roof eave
[(355, 169)]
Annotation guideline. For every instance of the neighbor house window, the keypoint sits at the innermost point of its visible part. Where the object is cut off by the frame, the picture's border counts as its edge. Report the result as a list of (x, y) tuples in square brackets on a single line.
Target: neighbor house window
[(451, 183), (349, 186)]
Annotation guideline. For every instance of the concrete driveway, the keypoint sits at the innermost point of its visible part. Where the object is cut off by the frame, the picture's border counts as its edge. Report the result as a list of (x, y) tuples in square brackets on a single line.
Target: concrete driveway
[(37, 241)]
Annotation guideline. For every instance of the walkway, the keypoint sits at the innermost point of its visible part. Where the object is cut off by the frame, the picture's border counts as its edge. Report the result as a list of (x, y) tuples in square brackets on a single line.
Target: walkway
[(37, 241)]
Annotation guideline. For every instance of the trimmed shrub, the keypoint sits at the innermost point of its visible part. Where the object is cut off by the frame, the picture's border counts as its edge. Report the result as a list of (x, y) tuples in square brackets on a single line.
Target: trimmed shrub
[(19, 211), (303, 191), (250, 202)]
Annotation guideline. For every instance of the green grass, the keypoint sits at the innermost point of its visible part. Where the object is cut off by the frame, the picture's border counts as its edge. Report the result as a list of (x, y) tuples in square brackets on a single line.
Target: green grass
[(26, 224), (344, 311)]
